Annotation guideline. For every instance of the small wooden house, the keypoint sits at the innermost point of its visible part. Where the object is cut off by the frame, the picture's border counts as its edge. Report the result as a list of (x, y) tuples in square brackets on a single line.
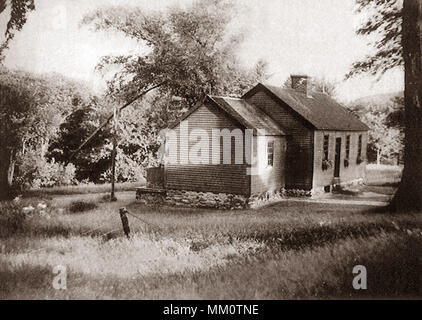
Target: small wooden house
[(279, 140)]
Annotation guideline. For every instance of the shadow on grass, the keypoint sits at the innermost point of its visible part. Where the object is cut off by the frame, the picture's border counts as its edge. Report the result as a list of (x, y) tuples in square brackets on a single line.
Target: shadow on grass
[(51, 231), (315, 236), (25, 282)]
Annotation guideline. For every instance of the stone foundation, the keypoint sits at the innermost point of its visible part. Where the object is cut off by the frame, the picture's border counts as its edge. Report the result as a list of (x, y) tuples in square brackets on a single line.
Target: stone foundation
[(298, 193), (223, 201), (150, 196), (206, 199)]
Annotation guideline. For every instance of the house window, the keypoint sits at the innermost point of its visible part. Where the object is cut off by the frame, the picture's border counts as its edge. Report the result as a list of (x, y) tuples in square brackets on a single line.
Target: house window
[(270, 153), (359, 158), (346, 159)]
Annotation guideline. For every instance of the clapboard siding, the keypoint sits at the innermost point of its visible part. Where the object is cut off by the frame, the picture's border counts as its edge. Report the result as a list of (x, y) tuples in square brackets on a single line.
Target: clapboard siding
[(207, 177), (299, 157), (269, 178)]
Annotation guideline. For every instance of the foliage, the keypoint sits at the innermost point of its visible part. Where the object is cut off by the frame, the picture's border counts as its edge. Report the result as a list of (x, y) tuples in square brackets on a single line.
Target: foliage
[(134, 133), (386, 135), (396, 118), (31, 110), (384, 24), (191, 51), (32, 107), (19, 10), (94, 159), (36, 172)]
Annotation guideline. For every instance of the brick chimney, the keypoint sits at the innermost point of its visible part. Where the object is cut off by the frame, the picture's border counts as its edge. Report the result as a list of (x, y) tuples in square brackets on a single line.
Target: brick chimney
[(300, 83)]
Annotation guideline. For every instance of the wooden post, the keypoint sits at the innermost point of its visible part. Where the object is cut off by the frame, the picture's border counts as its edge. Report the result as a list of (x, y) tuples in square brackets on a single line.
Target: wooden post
[(113, 156), (125, 221)]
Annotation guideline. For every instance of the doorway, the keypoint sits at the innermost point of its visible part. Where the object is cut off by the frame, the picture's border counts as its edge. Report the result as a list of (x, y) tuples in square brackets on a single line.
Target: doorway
[(337, 158)]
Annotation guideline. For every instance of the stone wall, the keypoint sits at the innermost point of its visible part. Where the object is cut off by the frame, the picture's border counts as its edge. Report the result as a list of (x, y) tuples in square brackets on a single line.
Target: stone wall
[(206, 199)]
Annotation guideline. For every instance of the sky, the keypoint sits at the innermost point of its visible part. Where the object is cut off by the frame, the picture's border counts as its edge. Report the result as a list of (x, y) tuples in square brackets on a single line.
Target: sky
[(315, 37)]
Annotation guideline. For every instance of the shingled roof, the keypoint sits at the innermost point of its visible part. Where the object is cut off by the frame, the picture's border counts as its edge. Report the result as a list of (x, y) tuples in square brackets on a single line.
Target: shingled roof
[(243, 112), (318, 109), (248, 115)]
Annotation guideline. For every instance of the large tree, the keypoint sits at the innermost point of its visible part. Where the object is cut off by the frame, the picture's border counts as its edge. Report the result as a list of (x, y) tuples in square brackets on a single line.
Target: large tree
[(18, 14), (93, 160), (397, 27), (188, 52)]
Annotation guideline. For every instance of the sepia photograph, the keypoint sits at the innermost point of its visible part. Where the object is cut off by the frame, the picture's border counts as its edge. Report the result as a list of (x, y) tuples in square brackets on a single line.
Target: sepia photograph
[(230, 151)]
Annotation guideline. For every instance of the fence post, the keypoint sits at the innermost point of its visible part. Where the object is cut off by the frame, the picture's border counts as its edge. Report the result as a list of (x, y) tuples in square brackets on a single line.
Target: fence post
[(125, 221)]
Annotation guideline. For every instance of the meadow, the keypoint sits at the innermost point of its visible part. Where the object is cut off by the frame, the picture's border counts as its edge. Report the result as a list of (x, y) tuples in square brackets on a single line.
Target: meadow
[(288, 250)]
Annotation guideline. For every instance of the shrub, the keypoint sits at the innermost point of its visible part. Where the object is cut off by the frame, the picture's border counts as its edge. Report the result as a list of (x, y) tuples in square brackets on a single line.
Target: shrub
[(52, 174), (36, 172), (81, 206)]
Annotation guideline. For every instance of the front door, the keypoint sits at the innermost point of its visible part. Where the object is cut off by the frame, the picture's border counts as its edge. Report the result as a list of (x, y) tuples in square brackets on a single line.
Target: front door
[(337, 158)]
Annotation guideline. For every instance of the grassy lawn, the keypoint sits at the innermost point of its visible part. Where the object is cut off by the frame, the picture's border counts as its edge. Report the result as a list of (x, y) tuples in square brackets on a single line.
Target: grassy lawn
[(378, 174), (287, 250)]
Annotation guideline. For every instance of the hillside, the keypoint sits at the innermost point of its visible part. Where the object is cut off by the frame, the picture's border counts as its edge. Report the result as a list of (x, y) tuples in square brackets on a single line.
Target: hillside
[(384, 99)]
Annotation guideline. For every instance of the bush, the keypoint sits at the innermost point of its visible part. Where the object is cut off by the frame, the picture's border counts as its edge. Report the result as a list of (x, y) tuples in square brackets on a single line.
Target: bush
[(81, 206), (54, 174), (36, 172)]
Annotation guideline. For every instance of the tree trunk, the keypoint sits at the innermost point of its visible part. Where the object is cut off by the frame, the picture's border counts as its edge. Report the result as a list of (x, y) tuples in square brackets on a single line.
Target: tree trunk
[(11, 172), (5, 186), (409, 194), (378, 156), (113, 155)]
